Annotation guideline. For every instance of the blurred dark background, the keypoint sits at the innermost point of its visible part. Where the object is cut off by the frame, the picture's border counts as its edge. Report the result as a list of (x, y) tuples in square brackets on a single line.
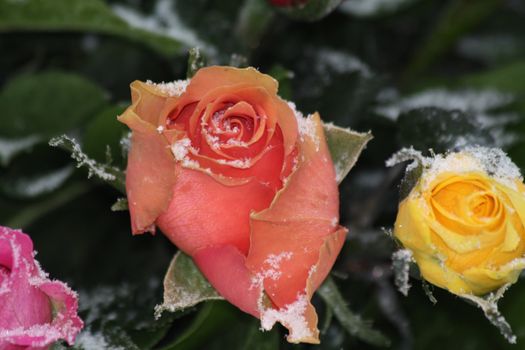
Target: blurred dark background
[(429, 73)]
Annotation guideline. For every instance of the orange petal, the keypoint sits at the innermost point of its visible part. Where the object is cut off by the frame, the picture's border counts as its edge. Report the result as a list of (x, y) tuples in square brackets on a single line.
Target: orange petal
[(287, 239), (147, 101), (208, 78), (150, 177), (225, 268), (204, 212)]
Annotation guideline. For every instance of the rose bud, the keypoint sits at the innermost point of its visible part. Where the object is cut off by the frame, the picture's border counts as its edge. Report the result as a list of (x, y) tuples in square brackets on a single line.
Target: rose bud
[(464, 221), (34, 310), (242, 183)]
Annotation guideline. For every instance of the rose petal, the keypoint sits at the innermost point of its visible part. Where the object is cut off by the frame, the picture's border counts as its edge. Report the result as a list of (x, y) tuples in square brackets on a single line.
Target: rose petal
[(150, 179), (287, 238), (204, 212), (35, 311), (208, 78), (225, 268)]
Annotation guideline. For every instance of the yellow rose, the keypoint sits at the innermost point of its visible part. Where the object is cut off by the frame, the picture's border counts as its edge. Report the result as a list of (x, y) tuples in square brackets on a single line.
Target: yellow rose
[(464, 221)]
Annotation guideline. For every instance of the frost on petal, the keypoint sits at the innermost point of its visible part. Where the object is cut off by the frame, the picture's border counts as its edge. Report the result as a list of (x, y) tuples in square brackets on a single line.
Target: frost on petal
[(288, 239), (36, 311)]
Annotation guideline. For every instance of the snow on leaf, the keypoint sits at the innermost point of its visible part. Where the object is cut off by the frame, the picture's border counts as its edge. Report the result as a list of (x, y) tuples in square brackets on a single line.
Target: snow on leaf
[(9, 148), (345, 147), (427, 288), (184, 286), (489, 305), (163, 20), (120, 205), (105, 172), (401, 260), (32, 186), (476, 101)]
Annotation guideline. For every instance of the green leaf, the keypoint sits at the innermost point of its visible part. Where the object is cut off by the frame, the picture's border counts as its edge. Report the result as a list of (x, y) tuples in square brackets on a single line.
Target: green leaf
[(184, 286), (311, 10), (105, 172), (345, 147), (120, 205), (507, 78), (284, 77), (353, 323), (36, 210), (254, 18), (441, 130), (489, 306), (102, 136), (47, 104), (78, 16), (459, 17)]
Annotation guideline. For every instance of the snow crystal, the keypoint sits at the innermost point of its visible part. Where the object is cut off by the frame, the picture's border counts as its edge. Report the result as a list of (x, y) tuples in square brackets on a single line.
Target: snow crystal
[(292, 316), (88, 340), (172, 89), (82, 159), (273, 271), (401, 260), (236, 143), (125, 143), (237, 163), (180, 149), (492, 161), (306, 125)]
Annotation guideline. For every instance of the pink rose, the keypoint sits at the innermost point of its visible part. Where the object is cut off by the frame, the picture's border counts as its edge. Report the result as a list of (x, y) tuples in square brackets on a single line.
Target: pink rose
[(34, 310)]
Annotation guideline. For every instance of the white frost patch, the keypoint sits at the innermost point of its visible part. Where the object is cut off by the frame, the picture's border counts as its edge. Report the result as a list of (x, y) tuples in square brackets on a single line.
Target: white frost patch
[(340, 62), (492, 161), (306, 125), (292, 316), (125, 143), (366, 8), (237, 163), (401, 260), (172, 89), (273, 261), (489, 47), (476, 101), (11, 147), (164, 20), (43, 184), (180, 149), (94, 341), (236, 143)]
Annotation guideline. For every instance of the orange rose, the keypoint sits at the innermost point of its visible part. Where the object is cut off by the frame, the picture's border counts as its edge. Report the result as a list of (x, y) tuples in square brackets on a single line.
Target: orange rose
[(242, 183)]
